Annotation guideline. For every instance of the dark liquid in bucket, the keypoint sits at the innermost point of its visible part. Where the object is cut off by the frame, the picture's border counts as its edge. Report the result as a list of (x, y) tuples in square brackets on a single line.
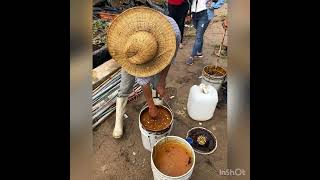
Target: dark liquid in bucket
[(162, 122), (172, 159), (210, 142)]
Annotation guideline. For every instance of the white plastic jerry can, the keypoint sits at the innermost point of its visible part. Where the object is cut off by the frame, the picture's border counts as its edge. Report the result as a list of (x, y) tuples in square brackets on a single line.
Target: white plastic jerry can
[(202, 102)]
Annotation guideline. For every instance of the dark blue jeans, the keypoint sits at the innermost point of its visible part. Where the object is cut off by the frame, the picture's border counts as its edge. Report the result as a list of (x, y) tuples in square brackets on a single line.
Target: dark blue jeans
[(200, 22), (179, 13)]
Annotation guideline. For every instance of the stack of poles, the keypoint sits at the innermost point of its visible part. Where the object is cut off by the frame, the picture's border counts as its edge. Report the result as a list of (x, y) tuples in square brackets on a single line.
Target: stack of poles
[(104, 98)]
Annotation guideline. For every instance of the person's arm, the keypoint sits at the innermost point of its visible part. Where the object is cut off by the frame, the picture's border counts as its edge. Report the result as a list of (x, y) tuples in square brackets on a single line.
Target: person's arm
[(217, 5), (153, 111), (144, 82), (161, 87)]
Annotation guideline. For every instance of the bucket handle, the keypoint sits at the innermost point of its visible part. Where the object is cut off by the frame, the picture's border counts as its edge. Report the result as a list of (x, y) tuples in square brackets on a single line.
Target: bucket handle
[(166, 103), (189, 140)]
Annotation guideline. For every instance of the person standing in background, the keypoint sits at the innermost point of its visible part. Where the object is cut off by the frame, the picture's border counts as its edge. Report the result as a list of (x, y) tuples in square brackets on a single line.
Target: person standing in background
[(178, 10), (202, 14), (144, 57)]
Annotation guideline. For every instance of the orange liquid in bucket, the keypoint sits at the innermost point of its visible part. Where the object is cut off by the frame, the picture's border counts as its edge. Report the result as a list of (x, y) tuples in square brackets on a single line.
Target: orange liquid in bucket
[(162, 122), (172, 159)]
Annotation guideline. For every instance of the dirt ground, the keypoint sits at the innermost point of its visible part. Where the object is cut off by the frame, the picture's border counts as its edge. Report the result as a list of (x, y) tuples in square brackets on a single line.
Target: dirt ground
[(126, 159)]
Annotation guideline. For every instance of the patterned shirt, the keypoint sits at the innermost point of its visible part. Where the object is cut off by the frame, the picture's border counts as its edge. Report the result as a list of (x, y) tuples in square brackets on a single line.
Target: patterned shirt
[(145, 80)]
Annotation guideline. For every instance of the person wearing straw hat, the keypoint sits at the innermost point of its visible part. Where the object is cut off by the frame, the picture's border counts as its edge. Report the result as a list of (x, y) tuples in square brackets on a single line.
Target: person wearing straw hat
[(144, 42)]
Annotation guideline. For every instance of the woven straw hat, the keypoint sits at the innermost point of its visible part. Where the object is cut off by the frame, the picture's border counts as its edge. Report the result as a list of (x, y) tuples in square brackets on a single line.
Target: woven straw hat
[(142, 41)]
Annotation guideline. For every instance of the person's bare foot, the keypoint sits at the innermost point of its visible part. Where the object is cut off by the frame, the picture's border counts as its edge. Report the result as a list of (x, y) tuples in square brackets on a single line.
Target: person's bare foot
[(180, 45)]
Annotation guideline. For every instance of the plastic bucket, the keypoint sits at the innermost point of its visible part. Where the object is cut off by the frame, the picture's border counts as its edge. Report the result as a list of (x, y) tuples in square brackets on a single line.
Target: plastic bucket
[(212, 135), (149, 138), (214, 76), (158, 175)]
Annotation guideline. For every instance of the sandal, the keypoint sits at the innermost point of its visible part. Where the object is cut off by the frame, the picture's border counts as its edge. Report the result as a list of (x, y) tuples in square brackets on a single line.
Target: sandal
[(189, 61)]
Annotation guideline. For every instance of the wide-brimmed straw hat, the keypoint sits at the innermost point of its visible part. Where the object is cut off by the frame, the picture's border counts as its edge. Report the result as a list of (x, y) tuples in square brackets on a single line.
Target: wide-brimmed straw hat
[(142, 41)]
